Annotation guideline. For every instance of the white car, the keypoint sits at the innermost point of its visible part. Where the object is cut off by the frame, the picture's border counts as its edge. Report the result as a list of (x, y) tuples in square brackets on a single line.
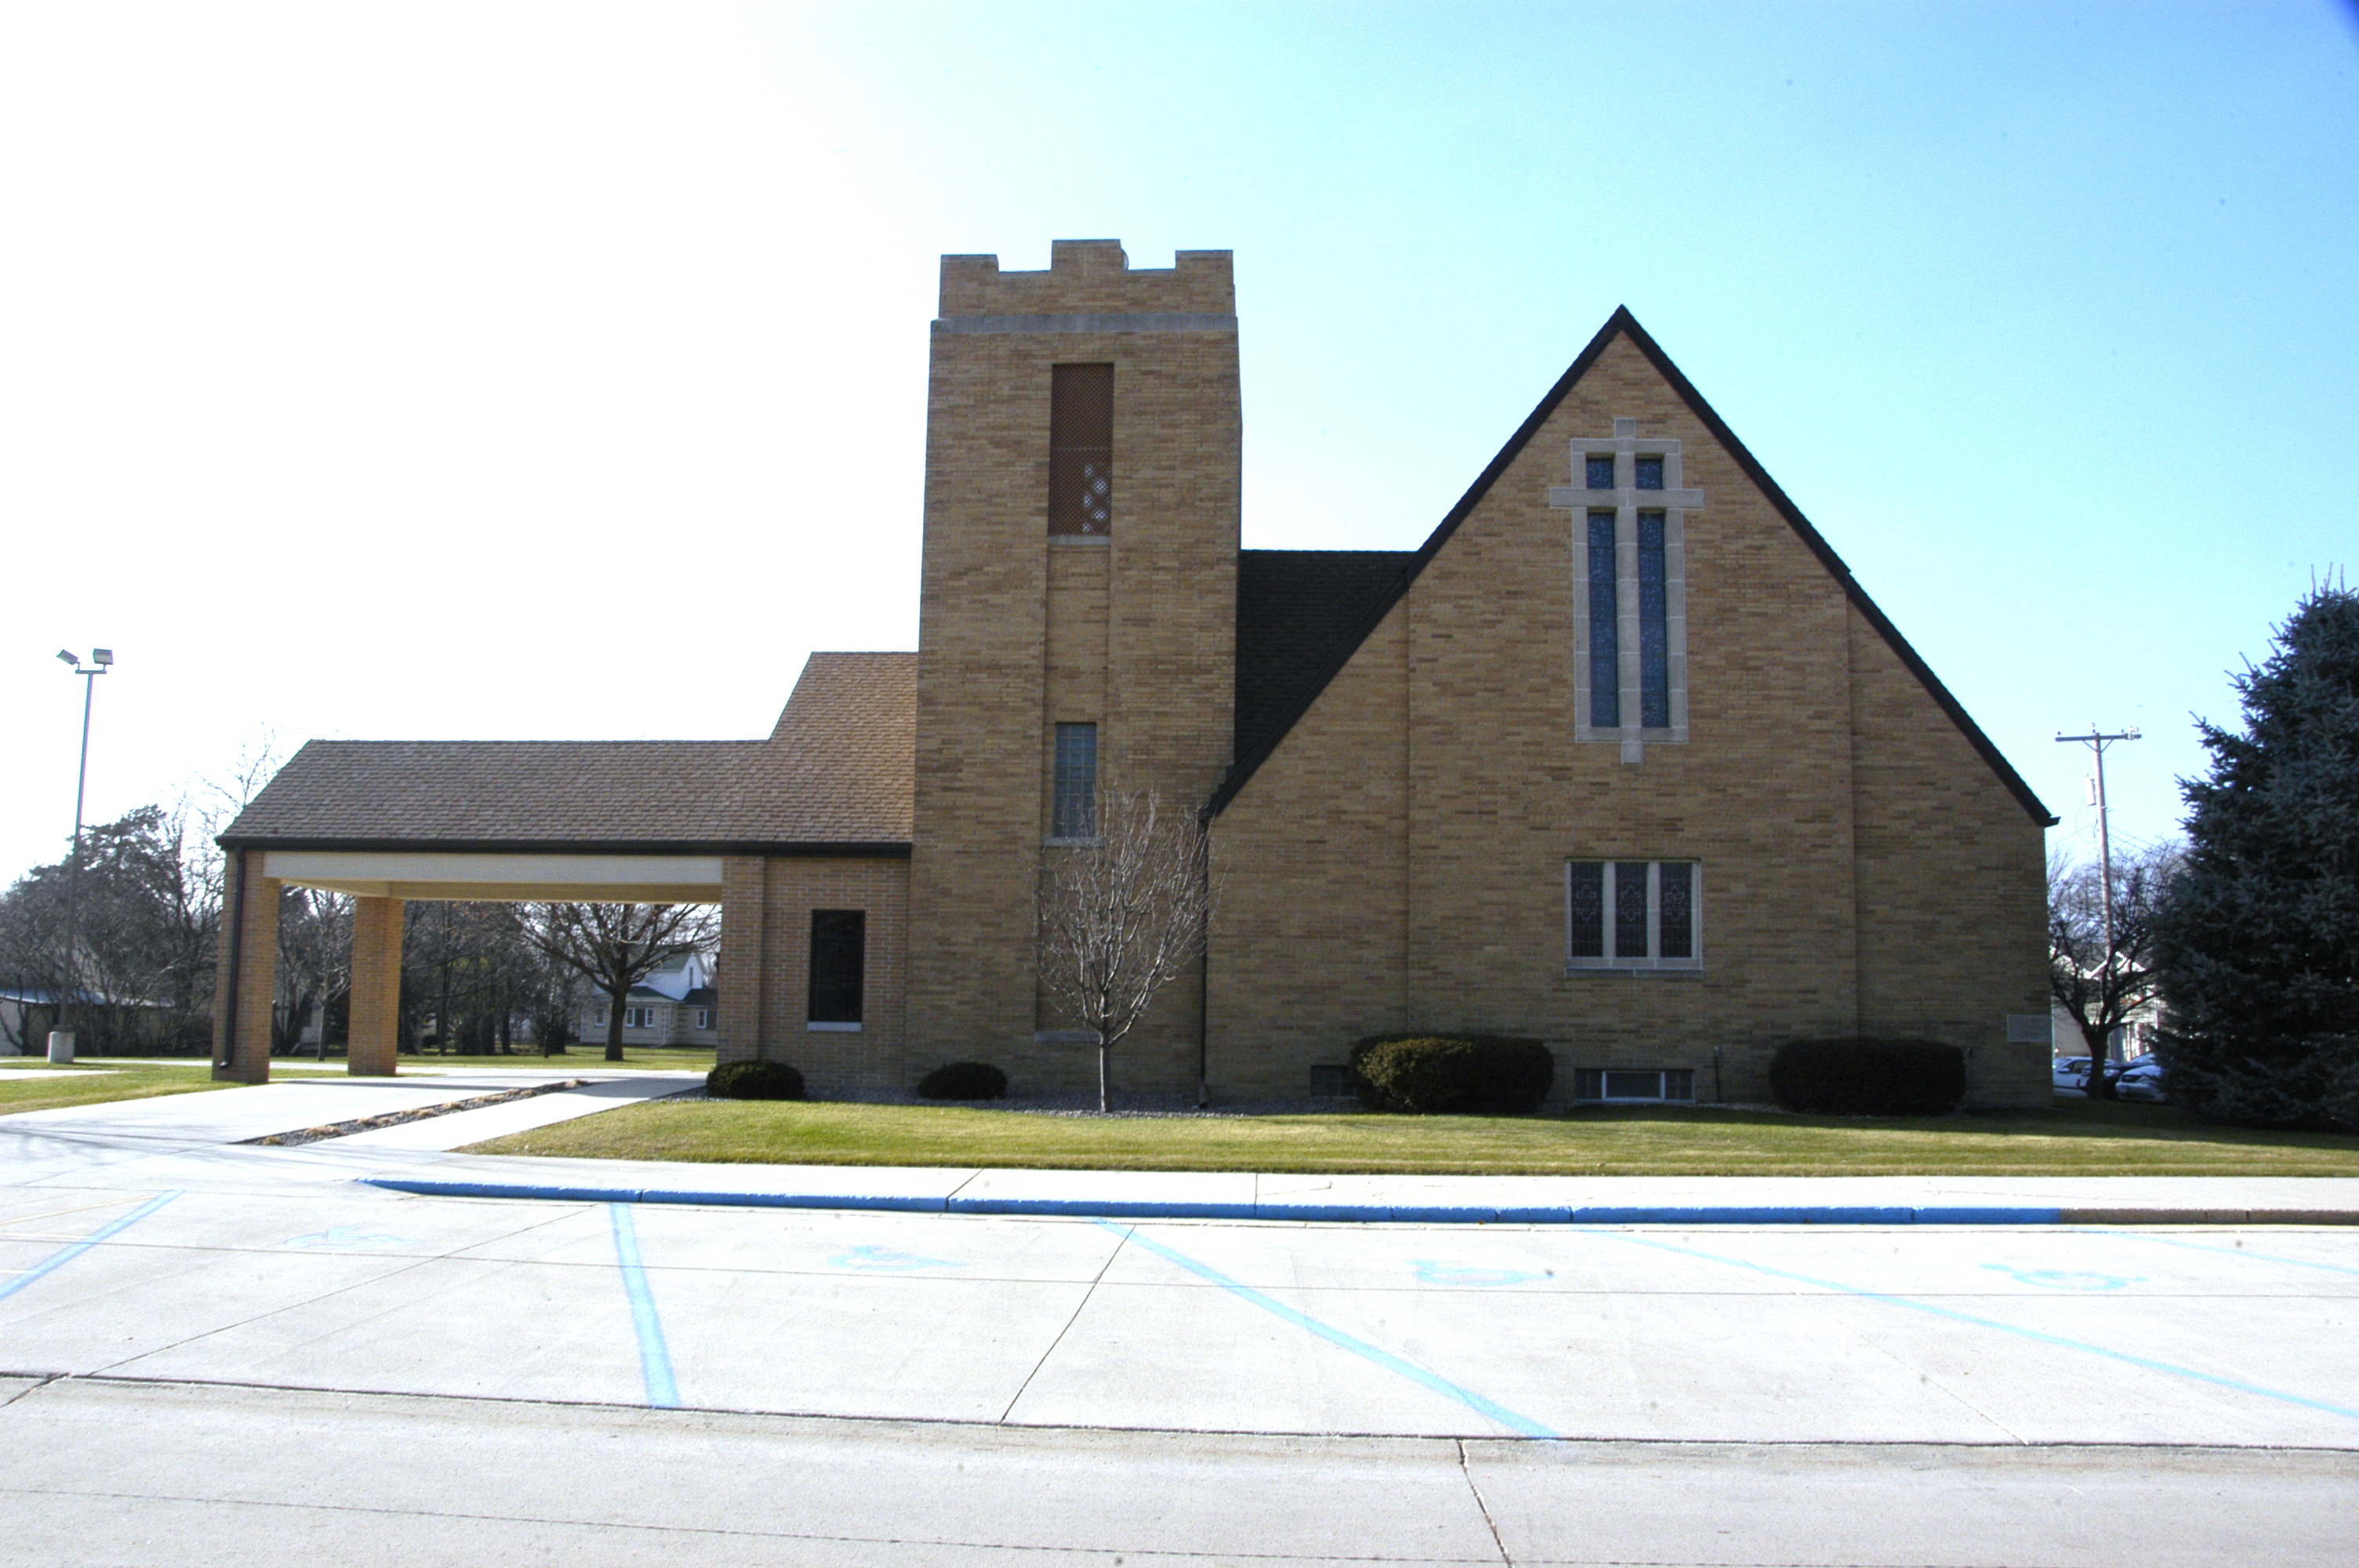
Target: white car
[(2142, 1080)]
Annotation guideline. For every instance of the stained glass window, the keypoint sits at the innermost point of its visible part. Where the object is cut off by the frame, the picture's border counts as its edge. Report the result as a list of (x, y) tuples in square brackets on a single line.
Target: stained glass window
[(1676, 895), (1073, 812), (1630, 910), (1585, 881), (1601, 473), (1654, 626), (1635, 915), (1604, 626), (1650, 474)]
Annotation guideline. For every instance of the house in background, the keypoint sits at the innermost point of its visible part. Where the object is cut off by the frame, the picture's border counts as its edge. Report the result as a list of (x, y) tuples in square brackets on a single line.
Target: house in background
[(676, 1005)]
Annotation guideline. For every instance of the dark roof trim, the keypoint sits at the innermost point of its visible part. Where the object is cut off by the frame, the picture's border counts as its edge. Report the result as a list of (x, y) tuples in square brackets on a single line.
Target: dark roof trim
[(816, 851), (1622, 321)]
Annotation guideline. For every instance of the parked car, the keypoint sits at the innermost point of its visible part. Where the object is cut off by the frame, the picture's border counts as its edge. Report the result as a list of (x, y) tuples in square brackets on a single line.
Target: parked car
[(2071, 1074), (2142, 1080)]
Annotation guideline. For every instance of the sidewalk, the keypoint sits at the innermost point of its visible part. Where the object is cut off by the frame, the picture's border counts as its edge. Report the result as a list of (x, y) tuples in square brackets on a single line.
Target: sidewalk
[(1411, 1200)]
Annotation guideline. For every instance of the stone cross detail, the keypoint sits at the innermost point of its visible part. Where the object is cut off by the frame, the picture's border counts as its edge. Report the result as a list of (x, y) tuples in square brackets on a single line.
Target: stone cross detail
[(1644, 476)]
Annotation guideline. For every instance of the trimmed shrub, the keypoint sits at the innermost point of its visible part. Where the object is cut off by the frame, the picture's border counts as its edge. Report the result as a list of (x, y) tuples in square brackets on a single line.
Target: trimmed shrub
[(965, 1080), (1430, 1075), (1868, 1077), (754, 1080)]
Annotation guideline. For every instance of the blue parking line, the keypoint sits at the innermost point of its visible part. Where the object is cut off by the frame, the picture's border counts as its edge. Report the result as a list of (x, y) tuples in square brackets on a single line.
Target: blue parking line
[(2230, 1251), (1520, 1424), (1954, 1316), (65, 1255), (654, 1360)]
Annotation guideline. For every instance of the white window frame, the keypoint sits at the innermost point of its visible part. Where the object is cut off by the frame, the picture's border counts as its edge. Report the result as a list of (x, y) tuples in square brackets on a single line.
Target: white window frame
[(704, 1018), (1651, 961), (1604, 1086)]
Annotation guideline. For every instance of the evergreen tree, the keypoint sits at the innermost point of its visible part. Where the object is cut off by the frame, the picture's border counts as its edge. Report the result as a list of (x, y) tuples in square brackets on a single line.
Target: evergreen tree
[(2258, 940)]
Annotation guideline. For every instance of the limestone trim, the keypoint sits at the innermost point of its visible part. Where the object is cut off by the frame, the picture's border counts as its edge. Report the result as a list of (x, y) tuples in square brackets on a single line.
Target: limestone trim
[(1626, 501), (1149, 322)]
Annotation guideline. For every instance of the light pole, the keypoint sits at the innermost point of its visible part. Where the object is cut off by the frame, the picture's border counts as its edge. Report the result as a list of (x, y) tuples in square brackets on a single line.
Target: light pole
[(61, 1040)]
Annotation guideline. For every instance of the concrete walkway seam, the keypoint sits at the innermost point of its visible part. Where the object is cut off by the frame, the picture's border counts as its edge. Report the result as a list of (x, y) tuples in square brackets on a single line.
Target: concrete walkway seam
[(1401, 1214)]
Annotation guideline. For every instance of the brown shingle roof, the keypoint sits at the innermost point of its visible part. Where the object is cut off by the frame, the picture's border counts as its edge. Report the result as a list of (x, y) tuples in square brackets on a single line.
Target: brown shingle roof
[(837, 772)]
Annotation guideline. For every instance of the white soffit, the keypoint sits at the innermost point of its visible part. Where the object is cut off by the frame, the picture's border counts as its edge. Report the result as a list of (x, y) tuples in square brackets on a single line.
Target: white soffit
[(644, 879)]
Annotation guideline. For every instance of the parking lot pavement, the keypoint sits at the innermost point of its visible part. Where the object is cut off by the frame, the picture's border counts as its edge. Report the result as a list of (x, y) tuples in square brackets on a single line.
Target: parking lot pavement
[(1755, 1334), (333, 1366)]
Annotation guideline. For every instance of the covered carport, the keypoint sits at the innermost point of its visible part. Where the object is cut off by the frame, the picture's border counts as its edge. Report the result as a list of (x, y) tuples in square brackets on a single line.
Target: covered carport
[(819, 811)]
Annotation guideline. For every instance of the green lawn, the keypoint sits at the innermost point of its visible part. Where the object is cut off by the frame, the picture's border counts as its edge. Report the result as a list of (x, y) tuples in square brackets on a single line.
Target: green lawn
[(94, 1080), (2075, 1138)]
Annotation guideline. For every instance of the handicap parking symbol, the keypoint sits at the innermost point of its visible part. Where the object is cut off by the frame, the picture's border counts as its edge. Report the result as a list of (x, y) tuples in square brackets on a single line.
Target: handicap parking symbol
[(344, 1238), (2068, 1279), (885, 1259), (1432, 1273)]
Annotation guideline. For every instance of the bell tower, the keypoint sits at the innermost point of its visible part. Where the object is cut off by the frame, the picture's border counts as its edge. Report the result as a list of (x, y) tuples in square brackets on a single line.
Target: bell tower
[(1077, 618)]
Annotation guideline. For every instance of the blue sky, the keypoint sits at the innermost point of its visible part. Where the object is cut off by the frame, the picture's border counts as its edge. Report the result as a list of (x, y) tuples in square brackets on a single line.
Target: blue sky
[(560, 370)]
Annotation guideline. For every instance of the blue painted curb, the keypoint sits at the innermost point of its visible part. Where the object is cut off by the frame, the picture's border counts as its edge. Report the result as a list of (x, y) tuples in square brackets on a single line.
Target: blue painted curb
[(1318, 1213)]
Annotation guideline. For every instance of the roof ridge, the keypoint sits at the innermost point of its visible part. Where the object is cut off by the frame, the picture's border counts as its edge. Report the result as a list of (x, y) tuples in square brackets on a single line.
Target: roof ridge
[(1624, 323)]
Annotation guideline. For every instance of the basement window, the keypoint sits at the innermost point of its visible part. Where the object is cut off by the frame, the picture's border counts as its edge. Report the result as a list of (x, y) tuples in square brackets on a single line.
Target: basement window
[(1608, 1086)]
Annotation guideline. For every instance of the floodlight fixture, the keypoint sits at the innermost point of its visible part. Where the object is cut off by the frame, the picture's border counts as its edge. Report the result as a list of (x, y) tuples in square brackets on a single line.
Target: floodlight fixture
[(102, 655), (67, 655)]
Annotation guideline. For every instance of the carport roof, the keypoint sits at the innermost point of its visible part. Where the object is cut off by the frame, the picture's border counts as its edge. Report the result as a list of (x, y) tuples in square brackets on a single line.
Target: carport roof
[(836, 776)]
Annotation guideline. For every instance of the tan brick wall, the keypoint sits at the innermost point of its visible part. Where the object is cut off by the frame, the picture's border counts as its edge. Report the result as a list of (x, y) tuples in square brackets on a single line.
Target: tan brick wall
[(1454, 725), (740, 974), (374, 1034), (1952, 883), (1017, 632), (255, 982), (876, 1058)]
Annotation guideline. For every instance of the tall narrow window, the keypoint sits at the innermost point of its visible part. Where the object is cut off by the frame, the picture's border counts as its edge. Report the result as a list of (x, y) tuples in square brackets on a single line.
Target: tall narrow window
[(1654, 626), (1073, 812), (1605, 627), (839, 956), (1677, 908), (1080, 450)]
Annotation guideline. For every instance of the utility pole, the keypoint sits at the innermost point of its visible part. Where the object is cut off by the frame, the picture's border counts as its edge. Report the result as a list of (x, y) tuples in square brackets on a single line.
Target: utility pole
[(2097, 740)]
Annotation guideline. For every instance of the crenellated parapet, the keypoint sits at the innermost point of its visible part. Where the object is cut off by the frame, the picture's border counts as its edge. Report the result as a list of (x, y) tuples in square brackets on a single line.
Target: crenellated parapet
[(1090, 277)]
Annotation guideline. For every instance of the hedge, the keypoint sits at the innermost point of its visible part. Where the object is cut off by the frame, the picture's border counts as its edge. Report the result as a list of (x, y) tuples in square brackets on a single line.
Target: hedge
[(754, 1080), (1430, 1075), (965, 1080), (1868, 1077)]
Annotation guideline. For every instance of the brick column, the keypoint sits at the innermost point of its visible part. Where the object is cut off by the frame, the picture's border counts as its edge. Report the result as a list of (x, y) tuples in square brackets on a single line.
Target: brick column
[(744, 955), (375, 1031), (249, 970)]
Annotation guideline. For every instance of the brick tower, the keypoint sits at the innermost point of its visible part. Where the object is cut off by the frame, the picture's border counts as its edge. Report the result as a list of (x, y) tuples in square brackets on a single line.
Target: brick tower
[(1077, 619)]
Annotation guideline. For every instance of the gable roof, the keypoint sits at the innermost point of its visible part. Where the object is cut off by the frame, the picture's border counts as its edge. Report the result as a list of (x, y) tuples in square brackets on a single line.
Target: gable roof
[(836, 776), (1622, 323), (1297, 611)]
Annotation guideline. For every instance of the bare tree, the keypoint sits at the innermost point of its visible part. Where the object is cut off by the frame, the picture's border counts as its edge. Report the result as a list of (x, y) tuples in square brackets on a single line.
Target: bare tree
[(2099, 988), (315, 963), (1123, 915), (616, 945)]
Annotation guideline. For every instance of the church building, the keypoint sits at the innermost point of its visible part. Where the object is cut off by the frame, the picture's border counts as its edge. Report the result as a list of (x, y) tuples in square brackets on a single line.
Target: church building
[(1622, 758)]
